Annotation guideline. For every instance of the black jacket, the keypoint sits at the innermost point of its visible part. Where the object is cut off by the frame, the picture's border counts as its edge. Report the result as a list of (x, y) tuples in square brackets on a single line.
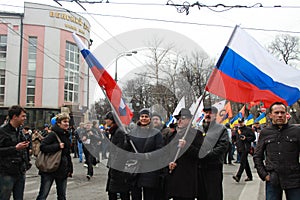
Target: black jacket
[(117, 180), (280, 149), (215, 156), (147, 140), (12, 162), (244, 145), (50, 144)]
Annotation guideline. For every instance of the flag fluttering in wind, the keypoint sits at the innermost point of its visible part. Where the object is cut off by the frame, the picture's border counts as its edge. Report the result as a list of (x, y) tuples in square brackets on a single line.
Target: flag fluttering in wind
[(249, 120), (172, 119), (246, 72), (261, 119), (199, 115), (226, 113), (106, 82), (236, 118)]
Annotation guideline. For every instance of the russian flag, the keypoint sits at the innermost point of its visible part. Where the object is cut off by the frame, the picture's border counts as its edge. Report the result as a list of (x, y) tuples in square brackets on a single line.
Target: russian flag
[(106, 82), (246, 72)]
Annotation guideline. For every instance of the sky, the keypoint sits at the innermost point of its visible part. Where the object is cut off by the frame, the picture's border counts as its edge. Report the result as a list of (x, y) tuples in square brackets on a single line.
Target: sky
[(210, 28)]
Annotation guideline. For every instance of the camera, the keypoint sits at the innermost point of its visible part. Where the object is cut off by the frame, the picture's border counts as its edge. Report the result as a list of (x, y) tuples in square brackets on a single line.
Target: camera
[(242, 136)]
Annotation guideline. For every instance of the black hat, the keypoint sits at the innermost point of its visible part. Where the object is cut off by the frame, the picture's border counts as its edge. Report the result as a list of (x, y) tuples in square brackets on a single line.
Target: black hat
[(241, 120), (212, 109), (145, 111), (110, 116), (184, 112)]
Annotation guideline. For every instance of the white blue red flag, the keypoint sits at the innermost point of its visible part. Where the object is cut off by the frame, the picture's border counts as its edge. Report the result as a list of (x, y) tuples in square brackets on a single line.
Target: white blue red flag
[(246, 72), (106, 82)]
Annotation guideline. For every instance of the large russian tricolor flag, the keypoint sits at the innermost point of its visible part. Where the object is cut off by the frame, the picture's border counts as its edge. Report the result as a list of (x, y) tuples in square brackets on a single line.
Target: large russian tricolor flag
[(106, 82), (246, 72)]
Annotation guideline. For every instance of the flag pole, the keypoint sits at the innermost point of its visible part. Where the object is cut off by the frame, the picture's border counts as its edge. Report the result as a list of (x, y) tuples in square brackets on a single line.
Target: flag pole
[(189, 126), (118, 120), (81, 46)]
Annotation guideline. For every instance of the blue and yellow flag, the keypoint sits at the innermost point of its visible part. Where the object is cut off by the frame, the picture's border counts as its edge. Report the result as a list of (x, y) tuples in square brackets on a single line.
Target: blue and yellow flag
[(262, 119)]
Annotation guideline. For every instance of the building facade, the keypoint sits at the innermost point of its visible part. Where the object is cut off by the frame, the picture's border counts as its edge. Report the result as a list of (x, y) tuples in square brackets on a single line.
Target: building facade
[(40, 65)]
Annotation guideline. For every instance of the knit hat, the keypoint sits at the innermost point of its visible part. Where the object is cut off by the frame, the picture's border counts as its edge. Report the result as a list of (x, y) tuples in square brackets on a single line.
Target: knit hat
[(145, 111)]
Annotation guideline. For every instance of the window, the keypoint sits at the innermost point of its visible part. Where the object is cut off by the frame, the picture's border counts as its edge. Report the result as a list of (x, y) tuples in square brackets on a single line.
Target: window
[(3, 47), (2, 86), (71, 73), (31, 71)]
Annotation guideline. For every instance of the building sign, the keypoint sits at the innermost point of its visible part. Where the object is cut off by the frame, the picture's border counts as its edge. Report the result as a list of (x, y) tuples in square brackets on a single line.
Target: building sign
[(71, 22)]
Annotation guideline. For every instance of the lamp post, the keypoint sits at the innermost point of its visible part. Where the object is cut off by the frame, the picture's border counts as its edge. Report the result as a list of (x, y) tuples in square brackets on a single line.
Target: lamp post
[(129, 53)]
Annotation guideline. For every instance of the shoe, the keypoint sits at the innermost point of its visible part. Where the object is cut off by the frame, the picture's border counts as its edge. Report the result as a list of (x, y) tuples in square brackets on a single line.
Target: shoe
[(237, 179), (237, 162), (96, 165), (88, 177), (85, 165), (248, 179)]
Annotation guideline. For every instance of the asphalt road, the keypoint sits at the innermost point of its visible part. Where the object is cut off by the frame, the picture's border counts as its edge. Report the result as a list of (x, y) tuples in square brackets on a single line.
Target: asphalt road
[(82, 189)]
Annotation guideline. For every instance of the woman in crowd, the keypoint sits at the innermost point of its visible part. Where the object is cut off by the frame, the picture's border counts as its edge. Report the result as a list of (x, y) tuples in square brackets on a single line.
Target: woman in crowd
[(36, 142), (146, 139), (50, 144)]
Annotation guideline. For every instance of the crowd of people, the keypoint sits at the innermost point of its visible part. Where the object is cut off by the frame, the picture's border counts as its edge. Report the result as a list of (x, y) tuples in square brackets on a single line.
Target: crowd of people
[(177, 162)]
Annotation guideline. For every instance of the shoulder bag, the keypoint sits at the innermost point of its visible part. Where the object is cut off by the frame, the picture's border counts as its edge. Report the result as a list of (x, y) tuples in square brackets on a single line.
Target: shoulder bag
[(49, 162)]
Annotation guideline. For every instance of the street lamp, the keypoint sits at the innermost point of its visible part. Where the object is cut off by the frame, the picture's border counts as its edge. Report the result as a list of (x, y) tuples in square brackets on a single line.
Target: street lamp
[(129, 53)]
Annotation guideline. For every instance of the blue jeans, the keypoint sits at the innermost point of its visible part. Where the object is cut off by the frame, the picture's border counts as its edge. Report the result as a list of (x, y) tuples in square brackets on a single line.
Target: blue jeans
[(79, 146), (46, 183), (15, 184), (275, 192)]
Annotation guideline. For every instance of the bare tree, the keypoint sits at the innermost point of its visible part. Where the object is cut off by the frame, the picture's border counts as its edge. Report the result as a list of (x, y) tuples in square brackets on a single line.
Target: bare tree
[(286, 47)]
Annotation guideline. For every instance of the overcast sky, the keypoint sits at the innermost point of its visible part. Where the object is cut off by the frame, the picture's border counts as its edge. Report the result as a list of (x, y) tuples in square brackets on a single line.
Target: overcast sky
[(210, 28)]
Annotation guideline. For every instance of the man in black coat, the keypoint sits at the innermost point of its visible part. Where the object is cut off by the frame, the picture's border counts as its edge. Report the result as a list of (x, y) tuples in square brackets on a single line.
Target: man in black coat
[(211, 157), (244, 138), (117, 179), (279, 146), (182, 182), (13, 155)]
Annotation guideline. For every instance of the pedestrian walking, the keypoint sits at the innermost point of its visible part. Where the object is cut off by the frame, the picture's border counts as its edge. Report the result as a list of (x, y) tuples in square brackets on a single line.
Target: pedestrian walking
[(90, 140), (276, 156), (244, 138), (36, 142), (49, 145), (14, 160)]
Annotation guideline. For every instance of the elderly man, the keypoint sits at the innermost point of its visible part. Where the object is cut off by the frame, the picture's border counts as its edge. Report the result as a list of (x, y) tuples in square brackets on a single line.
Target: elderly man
[(276, 156), (211, 157), (182, 183)]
